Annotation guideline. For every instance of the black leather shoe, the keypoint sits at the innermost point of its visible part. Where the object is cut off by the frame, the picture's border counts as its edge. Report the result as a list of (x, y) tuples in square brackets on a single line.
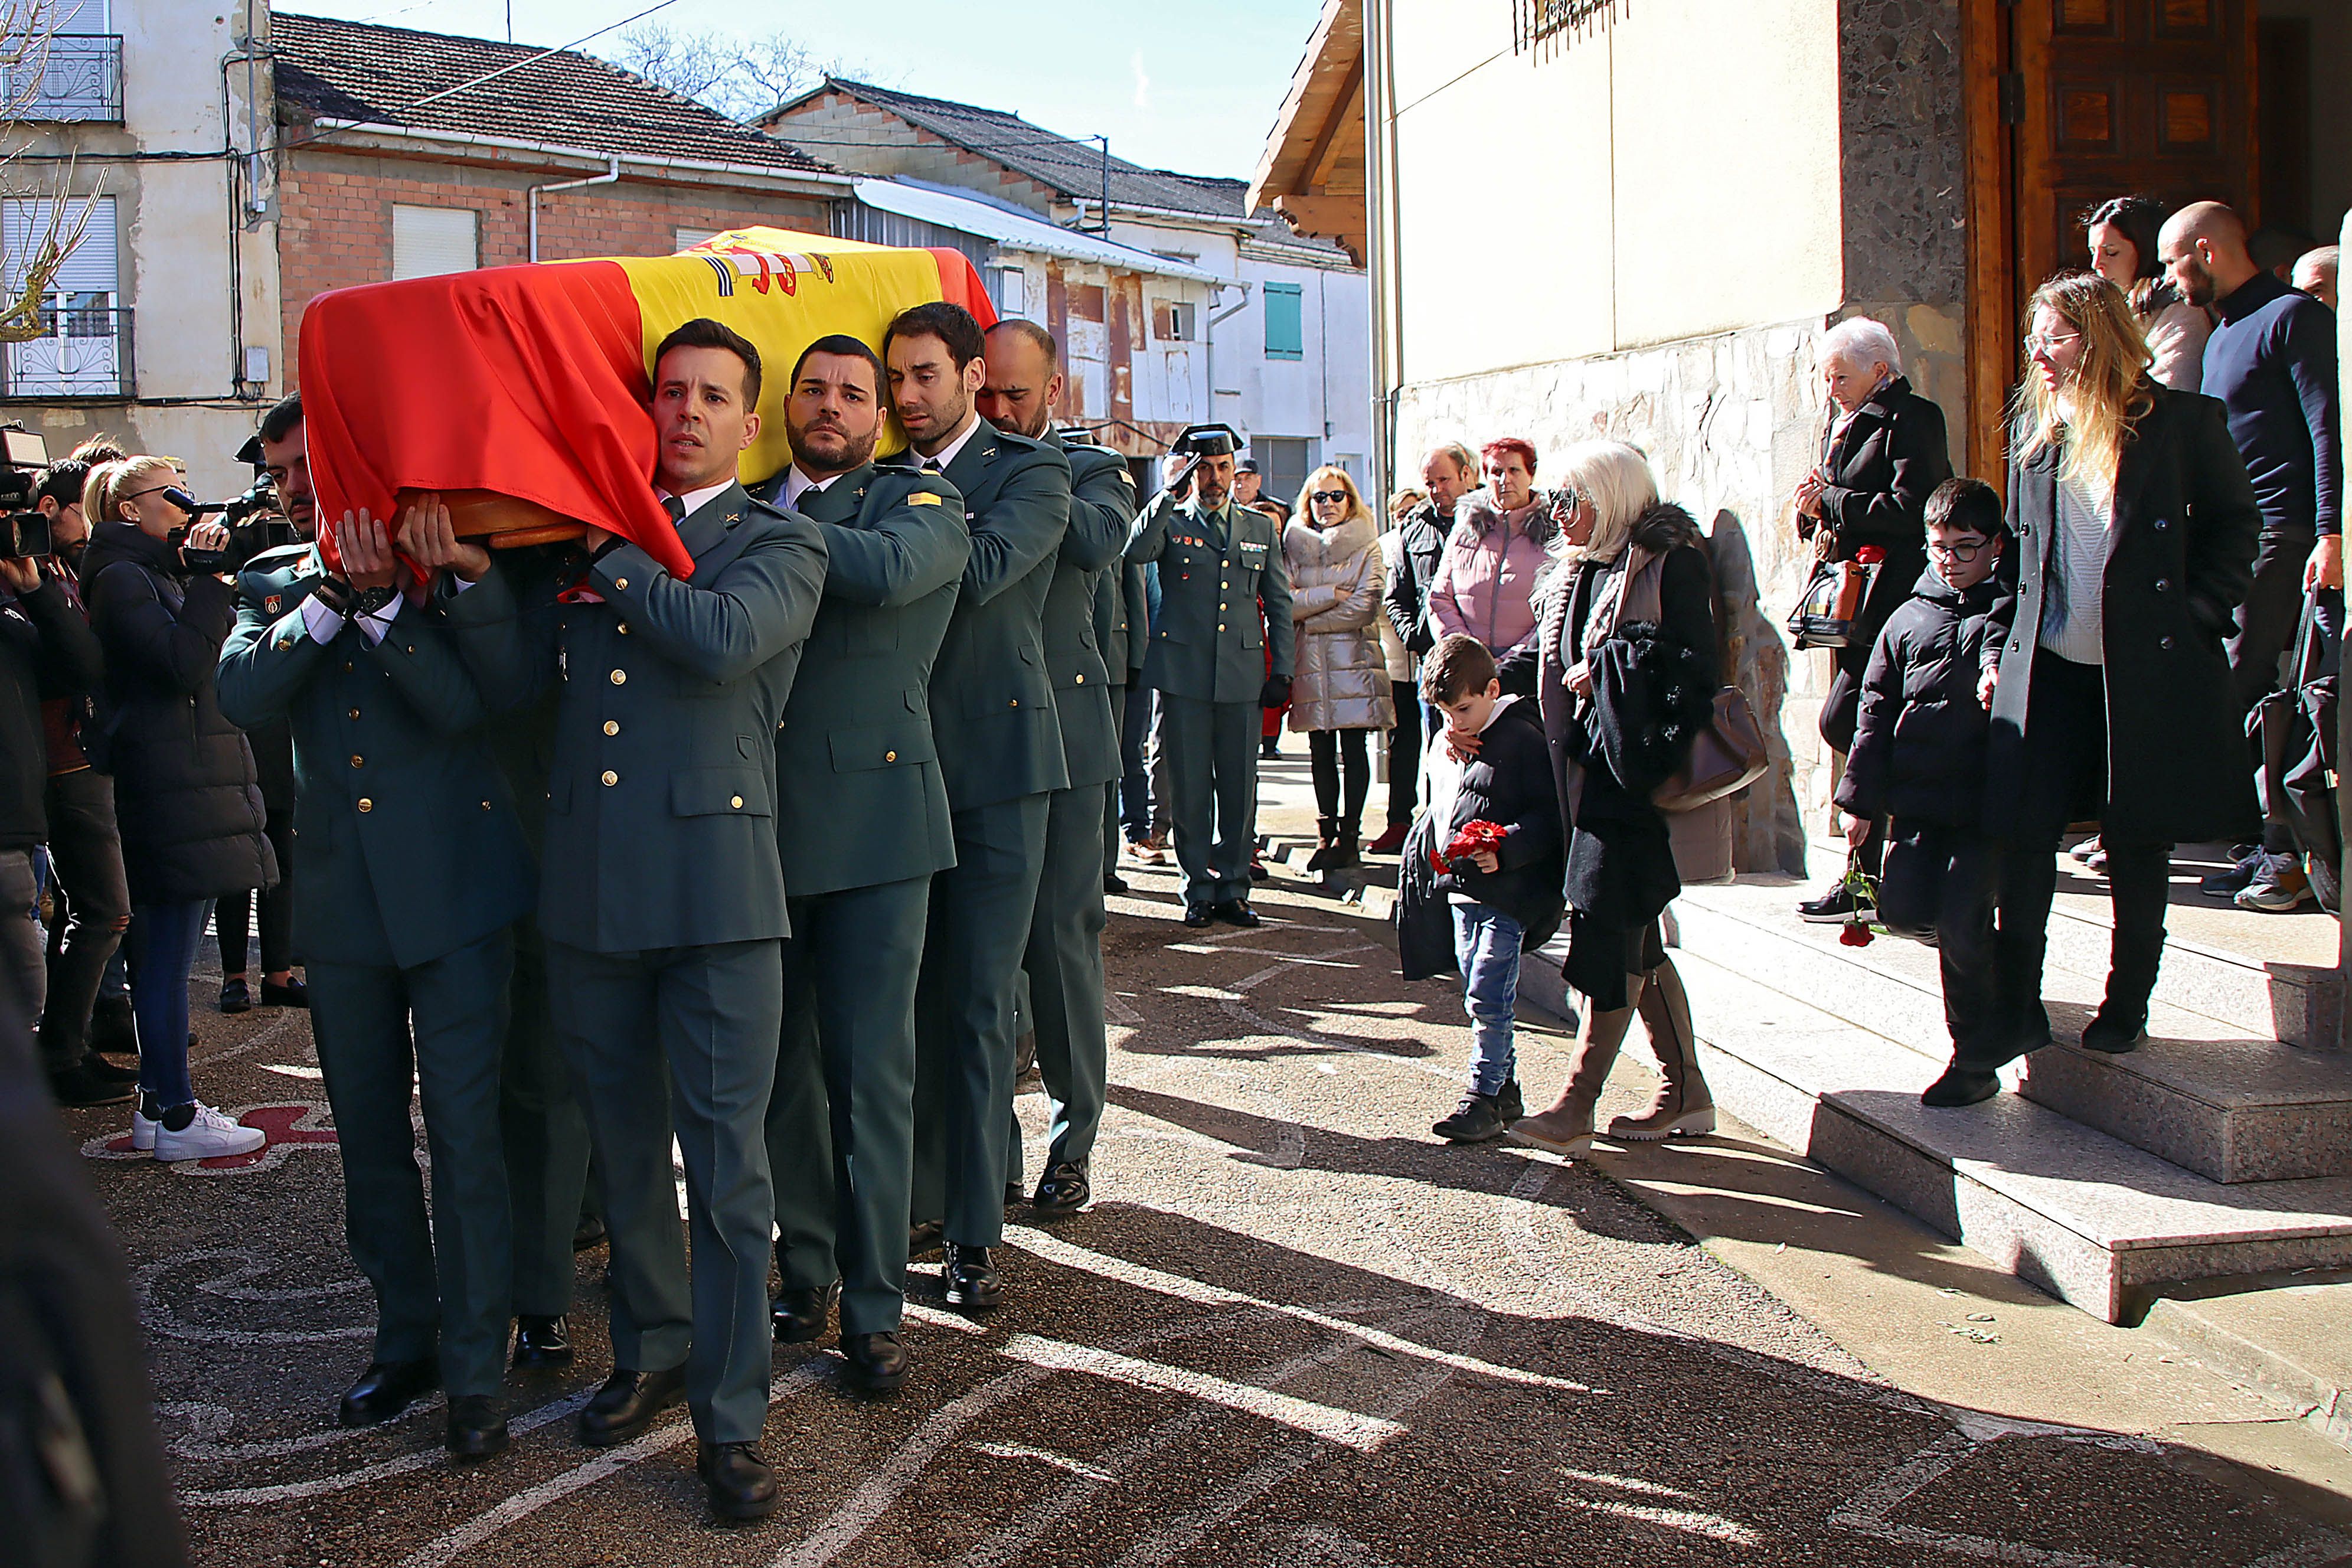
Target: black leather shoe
[(924, 1238), (799, 1316), (588, 1233), (2114, 1036), (627, 1405), (1196, 915), (742, 1483), (385, 1389), (1062, 1189), (878, 1363), (971, 1279), (78, 1086), (1236, 911), (478, 1428), (541, 1342), (1959, 1086), (293, 993), (235, 996), (1113, 883), (105, 1071)]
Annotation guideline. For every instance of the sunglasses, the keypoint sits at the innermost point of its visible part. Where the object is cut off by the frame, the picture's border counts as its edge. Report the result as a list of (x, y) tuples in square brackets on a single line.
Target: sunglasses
[(1336, 497)]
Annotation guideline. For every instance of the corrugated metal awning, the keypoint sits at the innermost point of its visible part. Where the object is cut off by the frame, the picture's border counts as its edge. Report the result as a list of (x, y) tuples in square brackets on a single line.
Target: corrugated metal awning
[(1018, 231)]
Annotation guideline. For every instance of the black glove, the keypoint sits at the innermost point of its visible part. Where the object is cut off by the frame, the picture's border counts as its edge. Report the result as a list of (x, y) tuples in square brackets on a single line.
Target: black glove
[(1274, 692)]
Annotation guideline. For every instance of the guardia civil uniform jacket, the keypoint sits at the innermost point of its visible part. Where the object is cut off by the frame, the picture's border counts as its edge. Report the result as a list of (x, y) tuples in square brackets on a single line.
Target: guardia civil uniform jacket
[(1214, 583), (1102, 505), (861, 797), (409, 846)]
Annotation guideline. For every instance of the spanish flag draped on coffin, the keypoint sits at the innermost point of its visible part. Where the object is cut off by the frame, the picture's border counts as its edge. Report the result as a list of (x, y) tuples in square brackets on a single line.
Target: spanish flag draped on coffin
[(520, 392)]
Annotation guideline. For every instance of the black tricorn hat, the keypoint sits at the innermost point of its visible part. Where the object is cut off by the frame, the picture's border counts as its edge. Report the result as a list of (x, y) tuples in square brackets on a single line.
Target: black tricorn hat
[(251, 451), (1207, 441)]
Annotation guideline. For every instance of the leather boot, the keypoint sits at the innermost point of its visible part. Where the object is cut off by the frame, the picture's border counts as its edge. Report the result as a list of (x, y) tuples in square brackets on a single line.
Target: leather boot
[(1326, 844), (1345, 856), (1566, 1127), (1684, 1107)]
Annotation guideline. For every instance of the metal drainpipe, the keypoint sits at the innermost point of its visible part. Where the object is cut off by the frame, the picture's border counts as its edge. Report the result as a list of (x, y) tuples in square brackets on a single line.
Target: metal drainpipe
[(610, 177), (1376, 18), (1209, 339)]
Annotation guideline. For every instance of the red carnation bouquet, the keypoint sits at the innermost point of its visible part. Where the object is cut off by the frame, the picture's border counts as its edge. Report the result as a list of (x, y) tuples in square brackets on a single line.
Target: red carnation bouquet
[(1473, 837)]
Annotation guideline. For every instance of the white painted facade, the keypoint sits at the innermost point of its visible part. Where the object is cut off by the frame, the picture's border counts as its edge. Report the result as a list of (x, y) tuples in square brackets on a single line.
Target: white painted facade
[(194, 232)]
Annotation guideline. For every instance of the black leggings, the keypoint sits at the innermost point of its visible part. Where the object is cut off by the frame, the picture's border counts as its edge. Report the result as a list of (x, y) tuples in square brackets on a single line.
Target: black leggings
[(232, 916), (1325, 750)]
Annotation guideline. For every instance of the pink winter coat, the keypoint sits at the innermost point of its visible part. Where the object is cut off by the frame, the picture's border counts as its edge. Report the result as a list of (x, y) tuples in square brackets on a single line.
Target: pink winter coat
[(1485, 579)]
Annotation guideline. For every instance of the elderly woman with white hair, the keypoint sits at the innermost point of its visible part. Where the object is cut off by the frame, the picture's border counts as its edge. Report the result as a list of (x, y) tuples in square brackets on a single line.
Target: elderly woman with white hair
[(1883, 452)]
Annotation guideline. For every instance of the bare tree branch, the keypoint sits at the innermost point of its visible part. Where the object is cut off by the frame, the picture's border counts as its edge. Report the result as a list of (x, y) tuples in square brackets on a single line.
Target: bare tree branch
[(27, 29), (741, 78)]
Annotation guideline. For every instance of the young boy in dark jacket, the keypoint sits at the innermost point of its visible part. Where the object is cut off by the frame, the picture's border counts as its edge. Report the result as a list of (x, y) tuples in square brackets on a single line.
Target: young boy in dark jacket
[(1489, 765), (1919, 757)]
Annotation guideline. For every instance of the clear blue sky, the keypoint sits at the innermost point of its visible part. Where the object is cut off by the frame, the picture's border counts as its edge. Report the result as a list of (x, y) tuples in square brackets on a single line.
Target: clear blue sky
[(1193, 85)]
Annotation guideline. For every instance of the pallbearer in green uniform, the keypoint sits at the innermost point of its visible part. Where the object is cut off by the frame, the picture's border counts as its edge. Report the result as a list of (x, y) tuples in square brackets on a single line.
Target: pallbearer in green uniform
[(1220, 571), (1063, 959), (862, 822), (661, 895), (411, 872), (1122, 617), (1001, 750)]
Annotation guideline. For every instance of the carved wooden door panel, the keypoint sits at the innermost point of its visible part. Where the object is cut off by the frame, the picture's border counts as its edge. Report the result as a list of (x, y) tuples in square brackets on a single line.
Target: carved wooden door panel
[(2123, 96)]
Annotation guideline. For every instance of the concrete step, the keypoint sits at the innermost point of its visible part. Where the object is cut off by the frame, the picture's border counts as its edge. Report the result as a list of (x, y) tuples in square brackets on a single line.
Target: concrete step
[(2085, 1216), (2282, 1335), (2202, 1093)]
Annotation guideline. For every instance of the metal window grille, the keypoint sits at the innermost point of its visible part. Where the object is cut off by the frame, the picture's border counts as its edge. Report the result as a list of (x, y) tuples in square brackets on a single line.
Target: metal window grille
[(84, 350), (1537, 22), (74, 77)]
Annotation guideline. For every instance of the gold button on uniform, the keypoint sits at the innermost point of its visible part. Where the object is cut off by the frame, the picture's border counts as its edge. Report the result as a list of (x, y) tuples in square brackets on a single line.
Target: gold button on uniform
[(486, 805), (1016, 702), (366, 805), (736, 801), (358, 760), (889, 756), (355, 712), (1221, 626), (620, 678), (611, 728), (1082, 680), (611, 777), (620, 582), (623, 628)]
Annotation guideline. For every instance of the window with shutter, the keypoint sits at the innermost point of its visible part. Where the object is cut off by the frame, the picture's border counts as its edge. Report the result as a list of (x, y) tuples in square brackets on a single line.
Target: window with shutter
[(688, 239), (84, 347), (1285, 333), (429, 241)]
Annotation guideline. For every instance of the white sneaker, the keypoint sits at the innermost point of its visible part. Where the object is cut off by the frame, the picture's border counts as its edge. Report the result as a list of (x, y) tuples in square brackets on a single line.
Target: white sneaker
[(209, 1136), (142, 1129)]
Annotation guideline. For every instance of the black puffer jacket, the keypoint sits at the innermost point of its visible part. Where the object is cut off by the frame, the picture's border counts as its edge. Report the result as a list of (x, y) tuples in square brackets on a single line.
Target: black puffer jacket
[(46, 650), (1920, 744), (185, 787), (1509, 782)]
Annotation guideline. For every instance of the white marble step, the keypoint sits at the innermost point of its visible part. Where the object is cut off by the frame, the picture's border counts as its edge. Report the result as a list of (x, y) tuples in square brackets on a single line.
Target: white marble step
[(2202, 1093), (2086, 1216)]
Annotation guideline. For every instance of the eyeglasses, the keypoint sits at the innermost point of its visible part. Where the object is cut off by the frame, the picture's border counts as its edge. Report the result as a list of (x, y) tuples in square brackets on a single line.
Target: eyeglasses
[(2042, 343), (1961, 553), (1335, 496)]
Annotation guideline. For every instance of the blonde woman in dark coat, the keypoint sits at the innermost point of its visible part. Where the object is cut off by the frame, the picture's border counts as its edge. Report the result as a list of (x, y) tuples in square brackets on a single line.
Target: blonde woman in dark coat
[(1341, 691)]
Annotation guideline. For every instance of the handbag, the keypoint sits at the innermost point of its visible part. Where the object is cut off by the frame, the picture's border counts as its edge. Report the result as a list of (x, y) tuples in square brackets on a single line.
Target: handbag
[(1730, 753), (1832, 603)]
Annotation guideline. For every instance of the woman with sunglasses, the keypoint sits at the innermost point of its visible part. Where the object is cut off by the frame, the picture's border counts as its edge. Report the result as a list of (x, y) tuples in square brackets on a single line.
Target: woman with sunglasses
[(185, 791), (2109, 690), (1340, 693)]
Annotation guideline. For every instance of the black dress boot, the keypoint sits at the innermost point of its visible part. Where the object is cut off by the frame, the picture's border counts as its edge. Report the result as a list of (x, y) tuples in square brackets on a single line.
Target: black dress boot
[(385, 1389), (971, 1278), (478, 1428), (878, 1363), (541, 1342), (742, 1483), (627, 1405), (799, 1316)]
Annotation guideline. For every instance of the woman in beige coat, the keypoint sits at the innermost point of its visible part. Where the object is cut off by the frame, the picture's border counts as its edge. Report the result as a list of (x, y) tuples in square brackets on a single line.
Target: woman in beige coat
[(1340, 693)]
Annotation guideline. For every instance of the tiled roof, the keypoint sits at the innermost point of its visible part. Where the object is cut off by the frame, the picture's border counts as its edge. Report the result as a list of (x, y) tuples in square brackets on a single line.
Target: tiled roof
[(1073, 168), (358, 70)]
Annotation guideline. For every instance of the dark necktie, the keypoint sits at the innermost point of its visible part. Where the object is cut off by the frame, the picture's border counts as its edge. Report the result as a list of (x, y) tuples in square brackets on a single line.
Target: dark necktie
[(931, 466), (1217, 534), (675, 507)]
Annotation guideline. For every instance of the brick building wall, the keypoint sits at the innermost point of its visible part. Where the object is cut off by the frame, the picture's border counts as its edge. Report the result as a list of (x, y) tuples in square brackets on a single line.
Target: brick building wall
[(335, 217)]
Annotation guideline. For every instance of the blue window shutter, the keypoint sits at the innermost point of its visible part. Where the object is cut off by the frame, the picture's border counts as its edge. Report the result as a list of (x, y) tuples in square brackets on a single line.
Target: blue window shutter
[(1285, 335)]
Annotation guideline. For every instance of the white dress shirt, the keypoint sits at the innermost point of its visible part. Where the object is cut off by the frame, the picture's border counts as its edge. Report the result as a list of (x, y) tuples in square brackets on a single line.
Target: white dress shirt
[(798, 484), (947, 454)]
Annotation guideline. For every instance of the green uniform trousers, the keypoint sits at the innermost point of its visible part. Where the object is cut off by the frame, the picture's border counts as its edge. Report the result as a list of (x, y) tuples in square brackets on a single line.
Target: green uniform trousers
[(841, 1123), (706, 1017), (1065, 965), (546, 1137), (1212, 751), (978, 926), (448, 1279), (1112, 836)]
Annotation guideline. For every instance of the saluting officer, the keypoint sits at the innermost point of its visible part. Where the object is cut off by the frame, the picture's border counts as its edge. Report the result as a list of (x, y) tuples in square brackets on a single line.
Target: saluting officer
[(993, 715), (411, 872), (1220, 572), (1063, 957), (862, 822), (662, 898)]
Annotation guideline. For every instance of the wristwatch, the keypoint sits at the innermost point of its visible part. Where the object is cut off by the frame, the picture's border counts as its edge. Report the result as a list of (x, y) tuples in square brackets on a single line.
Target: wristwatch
[(367, 601), (335, 593)]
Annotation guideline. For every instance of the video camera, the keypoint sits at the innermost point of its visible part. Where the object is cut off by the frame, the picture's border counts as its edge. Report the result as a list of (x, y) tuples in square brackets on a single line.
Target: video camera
[(24, 529)]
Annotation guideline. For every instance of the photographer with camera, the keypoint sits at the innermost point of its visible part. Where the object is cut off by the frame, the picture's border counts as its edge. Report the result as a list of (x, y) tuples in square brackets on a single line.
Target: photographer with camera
[(189, 800), (46, 650), (85, 846)]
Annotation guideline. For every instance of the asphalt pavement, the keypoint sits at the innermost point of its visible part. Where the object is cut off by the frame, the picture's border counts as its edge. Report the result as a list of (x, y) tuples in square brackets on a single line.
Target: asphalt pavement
[(1293, 1329)]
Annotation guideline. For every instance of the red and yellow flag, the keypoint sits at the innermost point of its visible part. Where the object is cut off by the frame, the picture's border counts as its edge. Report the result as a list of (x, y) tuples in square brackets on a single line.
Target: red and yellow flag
[(534, 381)]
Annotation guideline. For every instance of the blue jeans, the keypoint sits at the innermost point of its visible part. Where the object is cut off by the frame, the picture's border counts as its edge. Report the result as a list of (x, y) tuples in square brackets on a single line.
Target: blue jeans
[(1134, 777), (1487, 945), (162, 947)]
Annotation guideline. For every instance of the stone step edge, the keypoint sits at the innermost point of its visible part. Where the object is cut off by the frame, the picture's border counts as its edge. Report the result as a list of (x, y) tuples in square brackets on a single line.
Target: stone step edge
[(2271, 1374)]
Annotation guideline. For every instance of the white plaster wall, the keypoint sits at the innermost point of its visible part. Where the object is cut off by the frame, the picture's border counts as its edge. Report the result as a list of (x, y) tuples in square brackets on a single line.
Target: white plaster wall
[(1324, 397)]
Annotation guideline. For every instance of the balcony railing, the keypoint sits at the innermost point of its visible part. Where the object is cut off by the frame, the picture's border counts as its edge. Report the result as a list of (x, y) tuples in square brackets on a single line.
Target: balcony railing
[(78, 77), (84, 353)]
